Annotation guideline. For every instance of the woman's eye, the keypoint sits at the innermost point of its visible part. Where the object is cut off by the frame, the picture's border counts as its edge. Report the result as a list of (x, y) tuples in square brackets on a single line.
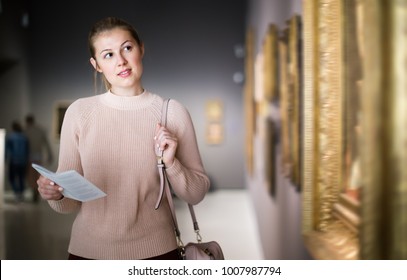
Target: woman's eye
[(128, 48), (108, 55)]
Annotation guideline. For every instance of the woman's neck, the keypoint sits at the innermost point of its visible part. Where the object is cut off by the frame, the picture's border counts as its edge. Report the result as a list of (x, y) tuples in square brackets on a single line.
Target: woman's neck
[(134, 91)]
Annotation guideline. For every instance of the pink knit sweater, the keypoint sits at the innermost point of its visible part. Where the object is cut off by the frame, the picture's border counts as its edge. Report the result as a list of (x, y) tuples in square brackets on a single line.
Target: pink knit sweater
[(110, 140)]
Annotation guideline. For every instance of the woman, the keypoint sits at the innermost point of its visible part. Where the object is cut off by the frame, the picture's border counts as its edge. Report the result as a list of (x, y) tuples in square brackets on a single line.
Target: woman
[(111, 139)]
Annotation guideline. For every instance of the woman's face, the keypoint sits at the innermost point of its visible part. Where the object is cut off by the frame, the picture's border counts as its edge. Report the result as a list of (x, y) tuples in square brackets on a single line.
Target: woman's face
[(119, 58)]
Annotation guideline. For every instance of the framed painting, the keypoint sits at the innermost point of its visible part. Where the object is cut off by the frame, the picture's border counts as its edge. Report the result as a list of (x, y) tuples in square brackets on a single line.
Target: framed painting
[(383, 151), (348, 206), (294, 91), (270, 155), (325, 236), (249, 101), (59, 113), (214, 110), (270, 63), (285, 103), (353, 188), (214, 122), (214, 133)]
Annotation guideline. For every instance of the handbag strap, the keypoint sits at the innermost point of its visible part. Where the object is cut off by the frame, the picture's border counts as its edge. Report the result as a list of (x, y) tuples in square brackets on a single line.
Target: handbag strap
[(160, 154), (165, 185)]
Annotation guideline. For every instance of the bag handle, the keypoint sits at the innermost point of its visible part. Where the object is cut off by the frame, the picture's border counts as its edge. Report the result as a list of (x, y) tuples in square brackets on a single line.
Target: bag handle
[(160, 154), (165, 185)]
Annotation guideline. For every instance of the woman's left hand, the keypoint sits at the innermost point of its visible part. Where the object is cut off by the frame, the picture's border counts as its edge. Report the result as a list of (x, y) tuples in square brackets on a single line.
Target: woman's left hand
[(167, 142)]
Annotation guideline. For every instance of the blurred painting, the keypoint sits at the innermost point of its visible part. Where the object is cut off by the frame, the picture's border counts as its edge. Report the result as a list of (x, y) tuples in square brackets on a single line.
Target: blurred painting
[(270, 156), (326, 234), (353, 86), (214, 133), (270, 64), (286, 163), (214, 110), (294, 92), (249, 102), (59, 114)]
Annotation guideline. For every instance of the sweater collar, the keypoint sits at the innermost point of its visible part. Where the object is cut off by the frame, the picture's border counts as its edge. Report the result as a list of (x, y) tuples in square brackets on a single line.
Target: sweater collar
[(127, 102)]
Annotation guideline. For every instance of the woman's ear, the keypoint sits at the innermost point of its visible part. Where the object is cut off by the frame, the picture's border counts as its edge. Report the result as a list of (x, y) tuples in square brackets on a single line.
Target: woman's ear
[(142, 50), (95, 64)]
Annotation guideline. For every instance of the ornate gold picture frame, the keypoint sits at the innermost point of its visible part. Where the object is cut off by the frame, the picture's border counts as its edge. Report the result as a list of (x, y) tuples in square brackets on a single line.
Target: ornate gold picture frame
[(336, 71), (324, 235), (295, 93), (270, 96), (284, 99), (249, 102), (270, 56), (270, 155), (290, 87)]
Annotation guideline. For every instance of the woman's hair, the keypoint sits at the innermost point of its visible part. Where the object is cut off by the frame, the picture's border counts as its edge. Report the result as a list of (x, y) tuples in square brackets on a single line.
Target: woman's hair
[(105, 25)]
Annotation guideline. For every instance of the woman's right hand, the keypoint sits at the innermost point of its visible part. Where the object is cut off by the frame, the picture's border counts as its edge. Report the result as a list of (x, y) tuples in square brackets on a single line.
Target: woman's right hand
[(48, 189)]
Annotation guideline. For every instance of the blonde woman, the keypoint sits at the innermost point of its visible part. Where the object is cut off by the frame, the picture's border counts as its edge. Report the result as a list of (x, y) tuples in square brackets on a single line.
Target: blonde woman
[(111, 139)]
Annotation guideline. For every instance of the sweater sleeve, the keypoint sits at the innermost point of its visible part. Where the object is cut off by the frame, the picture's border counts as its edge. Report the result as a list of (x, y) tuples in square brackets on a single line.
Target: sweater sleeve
[(187, 175), (69, 158)]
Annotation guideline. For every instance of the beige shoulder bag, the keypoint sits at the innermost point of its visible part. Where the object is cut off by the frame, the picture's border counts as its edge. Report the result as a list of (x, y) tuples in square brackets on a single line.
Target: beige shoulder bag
[(193, 250)]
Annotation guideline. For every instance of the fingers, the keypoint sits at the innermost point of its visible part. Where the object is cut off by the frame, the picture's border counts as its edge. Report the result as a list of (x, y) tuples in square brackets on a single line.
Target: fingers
[(48, 189), (166, 141)]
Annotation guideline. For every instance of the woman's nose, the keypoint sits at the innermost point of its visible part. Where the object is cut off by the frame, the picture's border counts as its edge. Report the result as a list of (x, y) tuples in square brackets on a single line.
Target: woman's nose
[(121, 60)]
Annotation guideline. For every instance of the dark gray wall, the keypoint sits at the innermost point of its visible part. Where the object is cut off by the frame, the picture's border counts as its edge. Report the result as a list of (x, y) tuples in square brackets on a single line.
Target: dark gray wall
[(189, 57), (14, 91)]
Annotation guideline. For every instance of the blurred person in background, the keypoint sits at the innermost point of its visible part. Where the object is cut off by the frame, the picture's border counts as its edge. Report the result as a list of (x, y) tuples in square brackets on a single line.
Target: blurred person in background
[(17, 152), (40, 151)]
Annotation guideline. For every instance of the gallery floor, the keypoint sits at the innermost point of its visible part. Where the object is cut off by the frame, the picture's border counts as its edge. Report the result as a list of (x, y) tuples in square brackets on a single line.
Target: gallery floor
[(33, 231)]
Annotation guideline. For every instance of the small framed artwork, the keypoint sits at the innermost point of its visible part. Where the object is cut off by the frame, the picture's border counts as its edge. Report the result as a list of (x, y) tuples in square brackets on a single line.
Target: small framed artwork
[(270, 156), (270, 64), (249, 101), (214, 121), (214, 110), (59, 114), (214, 133)]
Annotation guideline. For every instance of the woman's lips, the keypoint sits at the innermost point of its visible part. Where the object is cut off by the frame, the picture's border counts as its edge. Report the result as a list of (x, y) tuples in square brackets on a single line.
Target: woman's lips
[(125, 73)]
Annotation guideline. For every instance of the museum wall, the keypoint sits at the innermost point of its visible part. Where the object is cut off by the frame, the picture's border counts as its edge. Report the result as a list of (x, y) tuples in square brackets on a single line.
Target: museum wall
[(14, 89), (278, 211)]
